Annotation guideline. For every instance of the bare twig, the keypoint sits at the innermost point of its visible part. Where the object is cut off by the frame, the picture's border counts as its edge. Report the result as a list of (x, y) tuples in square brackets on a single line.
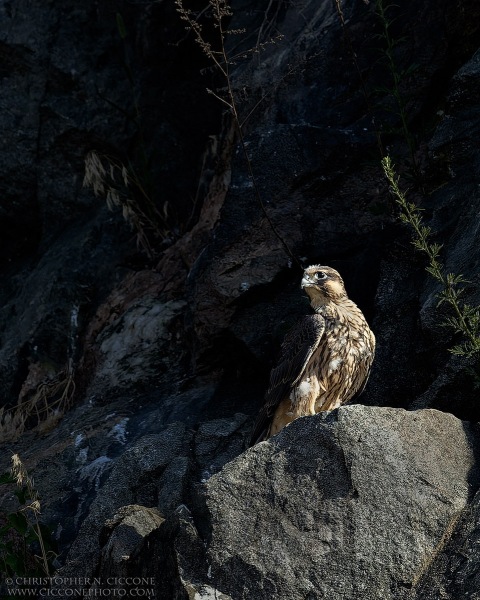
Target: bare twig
[(221, 10)]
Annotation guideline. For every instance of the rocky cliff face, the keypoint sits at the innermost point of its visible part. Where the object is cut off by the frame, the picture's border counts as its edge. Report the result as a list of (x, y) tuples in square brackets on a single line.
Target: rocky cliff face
[(130, 380)]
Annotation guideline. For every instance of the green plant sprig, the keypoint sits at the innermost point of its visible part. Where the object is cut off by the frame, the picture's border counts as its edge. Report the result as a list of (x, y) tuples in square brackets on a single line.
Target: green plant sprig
[(466, 318)]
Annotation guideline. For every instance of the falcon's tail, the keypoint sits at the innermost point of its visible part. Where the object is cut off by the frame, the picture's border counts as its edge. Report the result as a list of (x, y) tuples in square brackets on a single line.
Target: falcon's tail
[(260, 429)]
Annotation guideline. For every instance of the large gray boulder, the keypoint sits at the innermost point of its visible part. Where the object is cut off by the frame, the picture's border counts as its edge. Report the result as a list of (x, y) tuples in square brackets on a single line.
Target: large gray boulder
[(350, 505)]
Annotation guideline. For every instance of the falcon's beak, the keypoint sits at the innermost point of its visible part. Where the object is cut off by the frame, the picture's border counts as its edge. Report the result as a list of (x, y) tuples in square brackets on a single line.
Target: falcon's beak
[(306, 281)]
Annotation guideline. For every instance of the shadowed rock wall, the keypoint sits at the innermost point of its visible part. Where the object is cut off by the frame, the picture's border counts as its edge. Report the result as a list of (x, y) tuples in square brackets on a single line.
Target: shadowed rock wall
[(169, 354)]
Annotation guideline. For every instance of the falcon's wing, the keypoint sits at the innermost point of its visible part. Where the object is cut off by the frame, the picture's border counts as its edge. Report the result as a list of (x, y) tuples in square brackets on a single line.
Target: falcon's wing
[(297, 349)]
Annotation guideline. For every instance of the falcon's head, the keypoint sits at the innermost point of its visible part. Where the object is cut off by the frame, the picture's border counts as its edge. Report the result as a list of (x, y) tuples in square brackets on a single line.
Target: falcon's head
[(323, 284)]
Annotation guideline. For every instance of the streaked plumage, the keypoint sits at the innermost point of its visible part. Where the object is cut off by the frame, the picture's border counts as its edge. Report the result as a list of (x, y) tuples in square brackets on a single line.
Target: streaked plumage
[(325, 359)]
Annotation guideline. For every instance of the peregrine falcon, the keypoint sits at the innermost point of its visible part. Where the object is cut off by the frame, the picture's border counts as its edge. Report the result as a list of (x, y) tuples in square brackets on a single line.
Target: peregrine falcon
[(325, 359)]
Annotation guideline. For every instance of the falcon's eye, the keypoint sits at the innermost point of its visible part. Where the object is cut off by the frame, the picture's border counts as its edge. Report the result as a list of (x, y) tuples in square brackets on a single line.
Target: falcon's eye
[(320, 275)]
